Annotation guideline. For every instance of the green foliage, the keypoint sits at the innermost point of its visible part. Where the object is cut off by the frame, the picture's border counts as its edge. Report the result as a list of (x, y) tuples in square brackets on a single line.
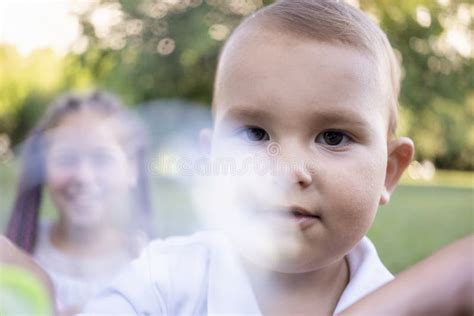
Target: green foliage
[(129, 59), (20, 79), (166, 49)]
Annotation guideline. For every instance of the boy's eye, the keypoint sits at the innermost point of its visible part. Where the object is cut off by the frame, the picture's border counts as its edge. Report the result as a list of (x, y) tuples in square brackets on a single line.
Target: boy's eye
[(332, 138), (253, 134), (256, 134)]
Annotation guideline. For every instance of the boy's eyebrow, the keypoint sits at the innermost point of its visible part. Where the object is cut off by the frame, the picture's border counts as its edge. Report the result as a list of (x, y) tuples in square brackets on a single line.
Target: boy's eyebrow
[(332, 117), (325, 116), (246, 112)]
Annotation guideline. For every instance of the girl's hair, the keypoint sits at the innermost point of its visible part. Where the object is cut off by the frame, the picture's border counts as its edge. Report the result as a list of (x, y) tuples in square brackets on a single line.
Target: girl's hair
[(333, 21), (23, 224)]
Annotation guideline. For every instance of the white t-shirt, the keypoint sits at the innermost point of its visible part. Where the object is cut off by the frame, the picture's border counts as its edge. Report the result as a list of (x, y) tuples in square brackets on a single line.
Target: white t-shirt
[(76, 279), (200, 275)]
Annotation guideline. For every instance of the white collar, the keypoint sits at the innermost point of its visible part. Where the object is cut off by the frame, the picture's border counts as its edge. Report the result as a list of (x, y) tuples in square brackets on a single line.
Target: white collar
[(367, 273), (233, 294)]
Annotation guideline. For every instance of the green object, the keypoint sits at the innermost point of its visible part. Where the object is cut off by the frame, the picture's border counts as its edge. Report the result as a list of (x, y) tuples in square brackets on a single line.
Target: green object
[(21, 293)]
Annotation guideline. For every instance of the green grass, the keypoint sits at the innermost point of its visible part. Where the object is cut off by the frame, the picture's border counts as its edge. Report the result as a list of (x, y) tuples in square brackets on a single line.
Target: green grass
[(8, 183), (420, 218), (445, 178)]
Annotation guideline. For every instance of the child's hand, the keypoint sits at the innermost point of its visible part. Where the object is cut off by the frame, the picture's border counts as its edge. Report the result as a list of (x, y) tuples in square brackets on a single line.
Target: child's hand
[(10, 254), (33, 274), (442, 284)]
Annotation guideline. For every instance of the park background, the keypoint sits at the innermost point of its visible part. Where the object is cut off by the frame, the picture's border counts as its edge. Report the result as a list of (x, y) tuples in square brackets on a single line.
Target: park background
[(160, 56)]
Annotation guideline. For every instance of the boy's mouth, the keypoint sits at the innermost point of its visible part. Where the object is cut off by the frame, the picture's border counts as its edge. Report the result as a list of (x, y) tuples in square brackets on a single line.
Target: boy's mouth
[(295, 214), (303, 217)]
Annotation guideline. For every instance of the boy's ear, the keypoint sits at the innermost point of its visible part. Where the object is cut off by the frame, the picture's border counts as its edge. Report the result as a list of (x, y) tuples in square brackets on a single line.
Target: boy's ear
[(205, 140), (400, 153)]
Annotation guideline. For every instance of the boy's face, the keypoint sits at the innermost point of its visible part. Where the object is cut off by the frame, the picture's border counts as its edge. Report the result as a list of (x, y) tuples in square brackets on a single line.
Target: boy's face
[(316, 110)]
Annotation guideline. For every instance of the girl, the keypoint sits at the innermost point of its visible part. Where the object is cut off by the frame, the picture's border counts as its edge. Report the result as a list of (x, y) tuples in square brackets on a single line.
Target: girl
[(89, 153)]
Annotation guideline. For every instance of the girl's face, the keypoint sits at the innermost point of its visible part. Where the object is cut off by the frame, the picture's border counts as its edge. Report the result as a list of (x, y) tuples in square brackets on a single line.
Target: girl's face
[(88, 173)]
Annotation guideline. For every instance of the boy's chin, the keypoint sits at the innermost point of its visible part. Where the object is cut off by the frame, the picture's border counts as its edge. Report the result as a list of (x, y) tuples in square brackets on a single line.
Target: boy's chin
[(284, 253)]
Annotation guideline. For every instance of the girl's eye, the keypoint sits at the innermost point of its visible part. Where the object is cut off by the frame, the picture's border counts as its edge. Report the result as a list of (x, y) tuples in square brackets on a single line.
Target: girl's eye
[(102, 159), (332, 138), (255, 134), (65, 160)]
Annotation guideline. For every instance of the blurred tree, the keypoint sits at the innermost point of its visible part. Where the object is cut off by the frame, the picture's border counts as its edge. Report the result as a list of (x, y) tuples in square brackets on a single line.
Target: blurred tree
[(159, 49), (434, 40), (25, 81), (150, 49)]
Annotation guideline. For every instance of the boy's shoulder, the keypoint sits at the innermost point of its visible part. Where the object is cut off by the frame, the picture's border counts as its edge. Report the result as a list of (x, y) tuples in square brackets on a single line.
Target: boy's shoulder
[(199, 274), (181, 245), (183, 257), (182, 262), (171, 276)]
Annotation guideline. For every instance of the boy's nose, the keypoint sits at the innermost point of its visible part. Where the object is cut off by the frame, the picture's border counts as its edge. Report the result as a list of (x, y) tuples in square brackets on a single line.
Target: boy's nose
[(303, 177), (299, 175), (294, 168)]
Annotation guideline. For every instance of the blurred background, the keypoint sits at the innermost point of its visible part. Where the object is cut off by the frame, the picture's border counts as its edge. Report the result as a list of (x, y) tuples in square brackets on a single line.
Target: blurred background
[(160, 56)]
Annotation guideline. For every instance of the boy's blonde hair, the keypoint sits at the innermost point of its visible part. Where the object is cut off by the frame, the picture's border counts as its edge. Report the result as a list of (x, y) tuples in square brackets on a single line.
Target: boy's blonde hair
[(334, 21)]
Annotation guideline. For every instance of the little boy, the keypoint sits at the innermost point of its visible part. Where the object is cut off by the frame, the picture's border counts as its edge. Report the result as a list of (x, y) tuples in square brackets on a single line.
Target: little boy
[(318, 80)]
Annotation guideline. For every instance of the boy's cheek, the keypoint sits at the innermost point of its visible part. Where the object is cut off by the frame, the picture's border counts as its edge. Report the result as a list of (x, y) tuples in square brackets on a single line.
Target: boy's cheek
[(353, 193), (348, 217), (352, 216)]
